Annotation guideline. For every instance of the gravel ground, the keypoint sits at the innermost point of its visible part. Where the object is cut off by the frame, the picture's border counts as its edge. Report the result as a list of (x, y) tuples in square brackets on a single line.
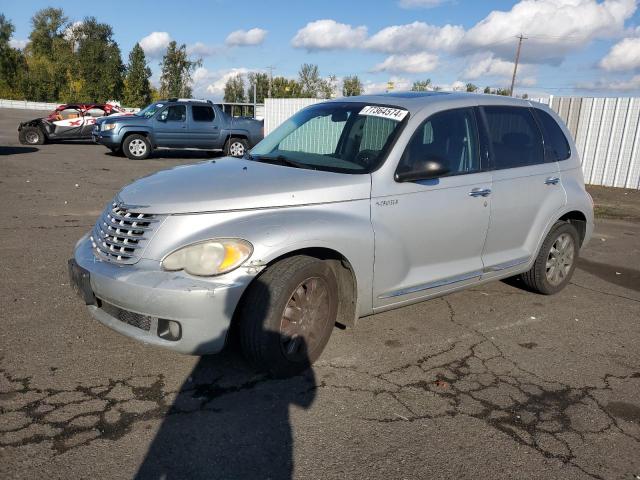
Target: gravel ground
[(493, 382)]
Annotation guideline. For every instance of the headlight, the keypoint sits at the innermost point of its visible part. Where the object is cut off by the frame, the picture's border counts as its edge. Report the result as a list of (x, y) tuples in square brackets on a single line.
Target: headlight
[(211, 257), (108, 126)]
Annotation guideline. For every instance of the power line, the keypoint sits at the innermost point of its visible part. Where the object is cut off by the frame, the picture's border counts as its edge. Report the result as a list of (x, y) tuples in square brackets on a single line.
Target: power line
[(515, 66)]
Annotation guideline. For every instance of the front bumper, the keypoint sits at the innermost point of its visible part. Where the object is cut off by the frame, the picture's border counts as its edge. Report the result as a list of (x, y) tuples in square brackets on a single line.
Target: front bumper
[(106, 138), (204, 307)]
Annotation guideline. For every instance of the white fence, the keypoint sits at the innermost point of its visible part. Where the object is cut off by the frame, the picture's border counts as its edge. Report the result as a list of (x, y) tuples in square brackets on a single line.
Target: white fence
[(606, 132), (25, 105)]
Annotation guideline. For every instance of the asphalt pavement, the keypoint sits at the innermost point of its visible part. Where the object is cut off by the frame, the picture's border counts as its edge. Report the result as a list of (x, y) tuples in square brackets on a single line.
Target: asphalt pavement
[(492, 382)]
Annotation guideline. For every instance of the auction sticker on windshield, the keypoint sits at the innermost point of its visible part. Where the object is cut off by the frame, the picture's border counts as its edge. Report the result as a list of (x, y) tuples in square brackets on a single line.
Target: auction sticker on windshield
[(384, 112)]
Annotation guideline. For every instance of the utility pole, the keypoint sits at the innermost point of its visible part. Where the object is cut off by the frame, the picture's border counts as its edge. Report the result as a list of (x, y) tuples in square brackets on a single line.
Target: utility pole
[(270, 68), (515, 66)]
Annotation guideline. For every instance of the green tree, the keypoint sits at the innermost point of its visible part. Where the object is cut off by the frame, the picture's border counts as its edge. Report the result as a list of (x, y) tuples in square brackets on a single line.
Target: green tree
[(470, 87), (487, 90), (99, 63), (137, 89), (282, 87), (422, 85), (48, 29), (261, 81), (310, 80), (234, 90), (12, 63), (177, 68), (351, 86)]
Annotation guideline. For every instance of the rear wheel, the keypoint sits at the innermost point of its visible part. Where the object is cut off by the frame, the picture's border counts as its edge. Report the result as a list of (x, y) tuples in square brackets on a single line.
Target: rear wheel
[(31, 136), (287, 315), (136, 147), (236, 147), (556, 261)]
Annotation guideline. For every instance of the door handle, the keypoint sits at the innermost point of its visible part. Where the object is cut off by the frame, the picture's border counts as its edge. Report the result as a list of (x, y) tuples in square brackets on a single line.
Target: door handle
[(480, 192), (552, 181)]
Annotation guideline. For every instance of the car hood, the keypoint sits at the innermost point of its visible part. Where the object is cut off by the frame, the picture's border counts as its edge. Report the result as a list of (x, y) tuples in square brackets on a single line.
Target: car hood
[(237, 184), (121, 118)]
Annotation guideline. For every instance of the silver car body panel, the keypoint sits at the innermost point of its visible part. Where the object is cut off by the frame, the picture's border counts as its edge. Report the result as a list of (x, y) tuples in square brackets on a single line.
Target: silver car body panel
[(405, 242)]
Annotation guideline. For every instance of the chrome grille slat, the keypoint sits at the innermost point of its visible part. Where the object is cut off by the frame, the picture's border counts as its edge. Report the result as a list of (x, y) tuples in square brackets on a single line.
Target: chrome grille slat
[(120, 234)]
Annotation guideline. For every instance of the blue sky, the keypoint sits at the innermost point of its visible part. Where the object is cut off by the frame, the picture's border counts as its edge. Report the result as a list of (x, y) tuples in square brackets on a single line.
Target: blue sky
[(587, 47)]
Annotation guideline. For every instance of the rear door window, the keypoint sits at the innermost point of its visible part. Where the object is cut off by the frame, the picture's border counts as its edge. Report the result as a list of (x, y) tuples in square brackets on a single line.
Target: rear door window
[(556, 145), (516, 140), (202, 113)]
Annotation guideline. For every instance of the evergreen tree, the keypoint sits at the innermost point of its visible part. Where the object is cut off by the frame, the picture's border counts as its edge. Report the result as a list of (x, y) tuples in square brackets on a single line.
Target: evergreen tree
[(351, 86), (137, 89), (177, 69)]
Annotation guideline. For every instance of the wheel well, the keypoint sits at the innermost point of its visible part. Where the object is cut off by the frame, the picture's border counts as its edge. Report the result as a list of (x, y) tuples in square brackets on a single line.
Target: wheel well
[(233, 135), (578, 220), (128, 134), (345, 276)]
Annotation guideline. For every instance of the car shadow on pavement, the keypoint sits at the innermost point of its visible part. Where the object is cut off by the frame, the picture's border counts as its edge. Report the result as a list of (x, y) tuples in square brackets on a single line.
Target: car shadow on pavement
[(229, 422), (16, 150)]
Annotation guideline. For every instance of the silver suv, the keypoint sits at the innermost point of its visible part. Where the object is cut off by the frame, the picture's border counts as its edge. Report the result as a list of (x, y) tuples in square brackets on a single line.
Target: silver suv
[(349, 208)]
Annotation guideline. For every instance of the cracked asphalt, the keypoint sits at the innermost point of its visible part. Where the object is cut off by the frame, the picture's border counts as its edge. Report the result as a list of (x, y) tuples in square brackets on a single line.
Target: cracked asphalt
[(493, 382)]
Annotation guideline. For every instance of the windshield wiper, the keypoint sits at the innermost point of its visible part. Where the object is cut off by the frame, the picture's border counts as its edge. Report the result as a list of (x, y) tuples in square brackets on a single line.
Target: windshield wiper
[(282, 160)]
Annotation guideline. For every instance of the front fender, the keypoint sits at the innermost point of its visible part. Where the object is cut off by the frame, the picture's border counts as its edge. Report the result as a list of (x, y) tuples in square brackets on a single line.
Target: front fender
[(128, 129), (343, 227)]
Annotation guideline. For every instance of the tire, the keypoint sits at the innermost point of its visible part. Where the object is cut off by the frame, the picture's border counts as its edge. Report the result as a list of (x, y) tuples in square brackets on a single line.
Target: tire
[(556, 260), (136, 147), (236, 147), (298, 284), (31, 136)]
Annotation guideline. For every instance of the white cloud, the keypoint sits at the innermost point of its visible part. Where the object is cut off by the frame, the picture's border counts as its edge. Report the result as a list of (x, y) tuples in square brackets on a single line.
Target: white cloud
[(399, 84), (487, 66), (210, 84), (456, 86), (19, 44), (420, 3), (626, 85), (200, 49), (624, 55), (414, 63), (329, 35), (553, 27), (155, 44), (244, 38), (415, 37)]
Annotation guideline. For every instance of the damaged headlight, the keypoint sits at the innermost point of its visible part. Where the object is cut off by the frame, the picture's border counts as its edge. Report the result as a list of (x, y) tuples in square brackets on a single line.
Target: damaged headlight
[(108, 126), (211, 257)]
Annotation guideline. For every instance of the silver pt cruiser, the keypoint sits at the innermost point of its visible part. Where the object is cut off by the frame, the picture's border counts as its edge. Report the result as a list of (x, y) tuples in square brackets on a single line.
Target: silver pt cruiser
[(349, 208)]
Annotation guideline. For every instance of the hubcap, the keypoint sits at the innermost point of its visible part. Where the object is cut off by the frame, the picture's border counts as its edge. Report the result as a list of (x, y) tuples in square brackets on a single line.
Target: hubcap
[(560, 259), (304, 319), (32, 137), (236, 149), (137, 147)]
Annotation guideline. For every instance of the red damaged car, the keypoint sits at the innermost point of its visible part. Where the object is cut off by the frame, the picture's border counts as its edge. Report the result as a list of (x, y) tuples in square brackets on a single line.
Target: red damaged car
[(67, 122)]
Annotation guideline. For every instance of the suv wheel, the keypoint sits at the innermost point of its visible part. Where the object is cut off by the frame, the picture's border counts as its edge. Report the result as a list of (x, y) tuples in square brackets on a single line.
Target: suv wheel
[(556, 260), (236, 147), (287, 315), (31, 136), (136, 147)]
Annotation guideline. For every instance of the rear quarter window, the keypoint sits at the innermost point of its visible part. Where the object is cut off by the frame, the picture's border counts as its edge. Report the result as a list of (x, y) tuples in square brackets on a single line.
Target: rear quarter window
[(202, 113), (556, 145), (516, 140)]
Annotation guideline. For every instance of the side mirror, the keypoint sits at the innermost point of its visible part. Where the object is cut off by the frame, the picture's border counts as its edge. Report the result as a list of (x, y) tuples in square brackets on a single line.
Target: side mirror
[(423, 171)]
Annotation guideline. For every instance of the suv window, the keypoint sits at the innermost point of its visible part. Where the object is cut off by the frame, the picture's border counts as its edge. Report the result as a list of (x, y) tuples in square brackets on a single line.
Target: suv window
[(174, 113), (449, 137), (515, 138), (556, 146), (202, 113)]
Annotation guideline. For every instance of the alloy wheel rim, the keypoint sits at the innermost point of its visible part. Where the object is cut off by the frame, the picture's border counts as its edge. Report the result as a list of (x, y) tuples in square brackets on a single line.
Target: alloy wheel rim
[(304, 319), (32, 137), (560, 259), (236, 149), (137, 147)]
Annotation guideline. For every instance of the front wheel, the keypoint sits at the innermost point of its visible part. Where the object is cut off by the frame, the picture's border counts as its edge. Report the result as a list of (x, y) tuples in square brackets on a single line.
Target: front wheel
[(236, 147), (136, 147), (287, 315), (31, 136), (556, 260)]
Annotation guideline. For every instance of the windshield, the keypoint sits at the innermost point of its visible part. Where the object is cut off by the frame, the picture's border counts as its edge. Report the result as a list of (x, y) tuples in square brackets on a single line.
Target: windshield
[(149, 110), (344, 137)]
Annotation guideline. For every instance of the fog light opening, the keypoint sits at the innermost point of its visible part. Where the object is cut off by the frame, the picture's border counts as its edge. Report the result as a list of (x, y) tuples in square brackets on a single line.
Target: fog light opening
[(169, 329)]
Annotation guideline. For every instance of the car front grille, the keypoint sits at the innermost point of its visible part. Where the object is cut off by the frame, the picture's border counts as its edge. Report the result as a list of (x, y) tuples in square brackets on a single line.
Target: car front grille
[(120, 234), (137, 320)]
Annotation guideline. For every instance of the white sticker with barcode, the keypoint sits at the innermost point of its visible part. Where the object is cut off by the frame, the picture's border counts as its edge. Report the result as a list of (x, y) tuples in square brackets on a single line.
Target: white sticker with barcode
[(384, 112)]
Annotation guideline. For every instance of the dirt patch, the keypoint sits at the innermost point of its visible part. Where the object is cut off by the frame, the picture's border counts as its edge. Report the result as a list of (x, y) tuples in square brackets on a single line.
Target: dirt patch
[(616, 203)]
